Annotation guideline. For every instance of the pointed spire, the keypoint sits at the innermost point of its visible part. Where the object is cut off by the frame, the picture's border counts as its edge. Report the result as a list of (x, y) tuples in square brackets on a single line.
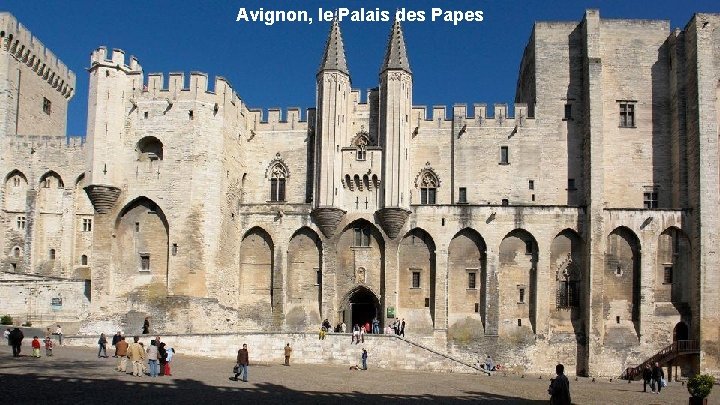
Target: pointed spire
[(334, 56), (396, 54)]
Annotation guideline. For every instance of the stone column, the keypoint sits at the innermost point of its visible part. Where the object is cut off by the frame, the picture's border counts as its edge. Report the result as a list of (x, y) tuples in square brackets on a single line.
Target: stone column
[(492, 294), (441, 288), (328, 303), (391, 297)]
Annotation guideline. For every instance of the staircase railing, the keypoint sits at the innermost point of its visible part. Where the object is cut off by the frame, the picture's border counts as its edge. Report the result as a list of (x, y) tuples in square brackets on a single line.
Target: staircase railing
[(677, 348)]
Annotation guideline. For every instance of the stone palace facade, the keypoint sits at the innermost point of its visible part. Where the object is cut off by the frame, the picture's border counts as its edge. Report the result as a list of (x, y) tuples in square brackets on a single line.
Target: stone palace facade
[(580, 226)]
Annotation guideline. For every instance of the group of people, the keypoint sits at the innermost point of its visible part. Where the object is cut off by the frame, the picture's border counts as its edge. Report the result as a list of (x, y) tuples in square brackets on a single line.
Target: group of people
[(359, 330), (158, 355), (654, 377), (15, 337)]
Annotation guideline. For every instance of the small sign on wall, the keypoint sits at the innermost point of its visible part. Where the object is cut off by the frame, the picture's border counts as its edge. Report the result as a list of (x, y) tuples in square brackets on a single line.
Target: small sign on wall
[(56, 303), (391, 312)]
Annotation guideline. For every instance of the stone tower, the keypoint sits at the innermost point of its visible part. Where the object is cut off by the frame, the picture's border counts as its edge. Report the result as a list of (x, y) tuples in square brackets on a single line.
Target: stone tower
[(332, 126), (394, 128)]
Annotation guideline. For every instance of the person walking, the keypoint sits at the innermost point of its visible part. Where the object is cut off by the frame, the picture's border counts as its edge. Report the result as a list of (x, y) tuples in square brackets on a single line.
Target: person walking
[(48, 346), (136, 354), (102, 345), (146, 326), (115, 340), (657, 377), (15, 339), (355, 334), (59, 333), (559, 389), (288, 351), (121, 352), (364, 359), (647, 377), (243, 362), (402, 328), (152, 357)]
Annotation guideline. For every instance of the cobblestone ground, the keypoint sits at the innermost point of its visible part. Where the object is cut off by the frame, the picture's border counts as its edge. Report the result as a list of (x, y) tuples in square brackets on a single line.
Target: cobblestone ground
[(78, 376)]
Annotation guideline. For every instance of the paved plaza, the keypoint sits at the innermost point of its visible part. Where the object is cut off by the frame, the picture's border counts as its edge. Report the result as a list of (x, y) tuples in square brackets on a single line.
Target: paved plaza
[(76, 375)]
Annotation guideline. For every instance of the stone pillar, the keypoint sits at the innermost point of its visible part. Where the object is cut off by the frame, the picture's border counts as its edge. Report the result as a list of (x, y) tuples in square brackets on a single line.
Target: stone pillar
[(492, 294), (328, 304), (544, 292), (67, 257), (279, 275), (30, 212), (441, 288), (392, 277), (101, 270)]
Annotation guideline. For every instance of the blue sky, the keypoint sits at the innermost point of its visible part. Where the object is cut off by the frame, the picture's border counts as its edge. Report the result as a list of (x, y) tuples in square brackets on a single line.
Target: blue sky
[(275, 66)]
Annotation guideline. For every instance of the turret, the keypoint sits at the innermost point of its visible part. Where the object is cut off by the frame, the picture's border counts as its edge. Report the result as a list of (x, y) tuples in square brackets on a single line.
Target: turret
[(113, 84), (394, 132), (331, 131)]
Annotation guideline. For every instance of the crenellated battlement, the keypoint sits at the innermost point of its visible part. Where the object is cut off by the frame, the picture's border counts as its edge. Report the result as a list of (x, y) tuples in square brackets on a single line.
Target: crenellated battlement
[(41, 143), (116, 59), (481, 116), (27, 49), (275, 120)]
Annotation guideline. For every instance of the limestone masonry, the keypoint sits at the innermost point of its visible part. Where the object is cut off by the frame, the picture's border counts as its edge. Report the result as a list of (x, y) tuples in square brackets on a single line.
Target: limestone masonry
[(580, 226)]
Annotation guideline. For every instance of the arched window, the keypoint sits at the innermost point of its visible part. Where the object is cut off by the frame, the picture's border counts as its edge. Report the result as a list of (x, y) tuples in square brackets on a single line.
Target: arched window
[(16, 252), (361, 153), (568, 284), (51, 254), (83, 260), (149, 148), (278, 173), (428, 188)]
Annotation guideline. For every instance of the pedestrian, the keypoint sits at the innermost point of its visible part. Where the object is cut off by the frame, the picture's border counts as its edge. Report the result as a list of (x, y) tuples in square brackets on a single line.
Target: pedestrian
[(647, 377), (121, 352), (102, 345), (343, 327), (559, 389), (35, 347), (364, 359), (59, 333), (323, 332), (115, 340), (489, 364), (48, 346), (362, 334), (7, 336), (367, 327), (168, 360), (146, 326), (288, 351), (162, 356), (152, 357), (243, 362), (47, 332), (658, 377), (15, 339), (402, 328), (136, 354), (375, 326), (355, 334)]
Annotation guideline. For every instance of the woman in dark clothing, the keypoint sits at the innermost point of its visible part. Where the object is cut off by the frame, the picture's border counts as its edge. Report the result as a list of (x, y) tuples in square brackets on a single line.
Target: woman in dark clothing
[(146, 326), (647, 376), (162, 357)]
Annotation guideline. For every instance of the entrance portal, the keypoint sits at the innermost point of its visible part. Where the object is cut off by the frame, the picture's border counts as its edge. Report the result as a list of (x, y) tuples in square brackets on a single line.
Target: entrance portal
[(680, 332), (364, 306)]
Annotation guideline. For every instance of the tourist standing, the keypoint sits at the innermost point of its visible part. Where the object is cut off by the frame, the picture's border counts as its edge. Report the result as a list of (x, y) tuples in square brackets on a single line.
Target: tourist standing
[(168, 360), (36, 347), (243, 362), (16, 338), (364, 359), (343, 327), (288, 351), (162, 356), (121, 351), (102, 345), (146, 326), (59, 333), (657, 376), (375, 326), (115, 340), (48, 346), (152, 357), (355, 334), (7, 335), (559, 387), (402, 328), (362, 334), (136, 354)]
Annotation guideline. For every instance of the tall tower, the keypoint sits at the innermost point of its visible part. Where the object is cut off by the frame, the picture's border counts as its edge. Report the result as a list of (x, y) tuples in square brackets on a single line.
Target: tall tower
[(332, 126), (394, 132)]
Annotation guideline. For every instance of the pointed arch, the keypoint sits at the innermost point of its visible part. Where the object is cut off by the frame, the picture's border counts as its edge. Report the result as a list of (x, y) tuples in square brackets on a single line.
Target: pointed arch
[(304, 279), (673, 273), (427, 181), (16, 173), (256, 278), (467, 275), (517, 280), (417, 263), (149, 148), (622, 282), (278, 173), (51, 178), (79, 179)]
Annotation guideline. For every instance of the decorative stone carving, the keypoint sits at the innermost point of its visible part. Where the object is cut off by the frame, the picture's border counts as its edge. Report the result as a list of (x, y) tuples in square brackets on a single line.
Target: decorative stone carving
[(360, 275), (102, 197), (392, 220), (327, 219)]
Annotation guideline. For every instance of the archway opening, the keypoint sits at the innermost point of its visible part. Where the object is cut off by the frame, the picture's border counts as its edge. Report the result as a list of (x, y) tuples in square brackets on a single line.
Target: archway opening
[(681, 332), (363, 307)]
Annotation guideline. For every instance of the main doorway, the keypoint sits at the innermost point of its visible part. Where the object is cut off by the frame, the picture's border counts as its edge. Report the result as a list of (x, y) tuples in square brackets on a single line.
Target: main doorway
[(363, 306)]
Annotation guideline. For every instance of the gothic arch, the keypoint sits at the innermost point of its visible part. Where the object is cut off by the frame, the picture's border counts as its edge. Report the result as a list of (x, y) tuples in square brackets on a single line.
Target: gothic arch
[(14, 173), (361, 139), (277, 168), (673, 273), (16, 186), (304, 279), (140, 247), (427, 177), (467, 272), (149, 148), (416, 295), (257, 259), (622, 283), (517, 280), (54, 179)]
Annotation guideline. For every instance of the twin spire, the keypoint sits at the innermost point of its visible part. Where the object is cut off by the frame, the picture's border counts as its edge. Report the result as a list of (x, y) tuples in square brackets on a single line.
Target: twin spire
[(395, 55)]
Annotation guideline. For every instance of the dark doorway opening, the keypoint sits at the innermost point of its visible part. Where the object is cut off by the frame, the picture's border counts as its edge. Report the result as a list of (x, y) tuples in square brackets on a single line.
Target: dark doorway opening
[(364, 306), (680, 332)]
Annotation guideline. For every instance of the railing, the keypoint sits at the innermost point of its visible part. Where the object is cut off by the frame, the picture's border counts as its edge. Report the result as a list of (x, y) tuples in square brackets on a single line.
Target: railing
[(677, 348)]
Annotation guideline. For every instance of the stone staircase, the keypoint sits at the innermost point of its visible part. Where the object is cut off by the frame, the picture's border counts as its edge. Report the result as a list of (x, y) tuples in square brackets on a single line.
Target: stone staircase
[(384, 351)]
